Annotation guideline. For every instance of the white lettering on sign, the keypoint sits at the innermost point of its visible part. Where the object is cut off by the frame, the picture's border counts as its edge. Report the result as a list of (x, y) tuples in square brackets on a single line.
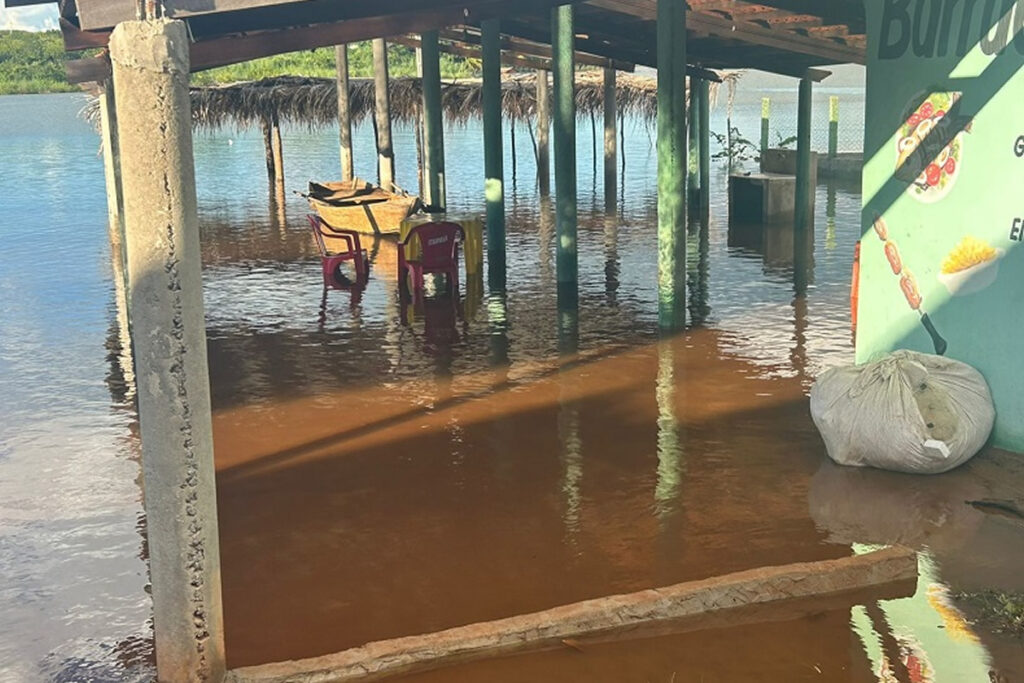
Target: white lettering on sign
[(436, 240)]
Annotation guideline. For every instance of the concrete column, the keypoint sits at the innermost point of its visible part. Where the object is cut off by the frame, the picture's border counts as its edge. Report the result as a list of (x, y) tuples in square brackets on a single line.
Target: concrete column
[(609, 139), (566, 262), (115, 227), (671, 164), (382, 112), (150, 61), (433, 123), (494, 172), (705, 147), (344, 113), (543, 126)]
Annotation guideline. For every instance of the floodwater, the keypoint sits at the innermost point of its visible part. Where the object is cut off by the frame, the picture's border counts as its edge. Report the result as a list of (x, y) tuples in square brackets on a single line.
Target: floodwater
[(382, 474)]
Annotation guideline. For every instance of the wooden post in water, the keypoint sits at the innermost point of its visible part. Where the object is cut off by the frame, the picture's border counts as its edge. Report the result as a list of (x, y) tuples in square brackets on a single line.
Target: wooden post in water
[(705, 147), (766, 113), (609, 139), (150, 63), (804, 187), (543, 126), (268, 149), (344, 113), (433, 124), (566, 262), (671, 37), (278, 156), (382, 116), (494, 190), (833, 125)]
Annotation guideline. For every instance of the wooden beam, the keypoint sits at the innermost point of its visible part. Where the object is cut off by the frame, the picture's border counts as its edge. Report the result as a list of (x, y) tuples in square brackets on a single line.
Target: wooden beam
[(516, 45), (880, 571), (473, 52)]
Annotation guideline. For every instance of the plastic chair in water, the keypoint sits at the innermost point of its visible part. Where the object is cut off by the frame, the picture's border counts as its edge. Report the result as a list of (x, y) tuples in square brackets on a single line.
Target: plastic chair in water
[(332, 262), (438, 254)]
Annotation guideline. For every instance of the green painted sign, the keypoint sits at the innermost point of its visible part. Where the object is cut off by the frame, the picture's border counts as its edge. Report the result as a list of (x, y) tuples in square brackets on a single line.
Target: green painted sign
[(942, 251)]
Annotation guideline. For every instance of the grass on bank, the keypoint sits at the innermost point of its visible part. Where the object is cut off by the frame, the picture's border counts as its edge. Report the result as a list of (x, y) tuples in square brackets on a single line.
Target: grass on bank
[(34, 63), (1002, 612)]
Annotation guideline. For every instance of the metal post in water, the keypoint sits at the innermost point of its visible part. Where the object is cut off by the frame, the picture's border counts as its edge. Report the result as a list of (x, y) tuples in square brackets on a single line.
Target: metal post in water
[(804, 187), (150, 63), (494, 190), (766, 113), (344, 113), (705, 146), (566, 263), (382, 113), (833, 126), (543, 126), (609, 139), (693, 137), (671, 37)]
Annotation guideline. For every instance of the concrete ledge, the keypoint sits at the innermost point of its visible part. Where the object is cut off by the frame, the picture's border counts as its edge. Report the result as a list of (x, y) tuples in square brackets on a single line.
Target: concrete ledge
[(600, 616), (845, 166)]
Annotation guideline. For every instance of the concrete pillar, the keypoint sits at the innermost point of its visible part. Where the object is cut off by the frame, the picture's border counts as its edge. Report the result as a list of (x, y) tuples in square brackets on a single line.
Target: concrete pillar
[(433, 123), (609, 139), (115, 227), (150, 61), (494, 172), (543, 126), (705, 146), (671, 145), (566, 262), (382, 113), (344, 113)]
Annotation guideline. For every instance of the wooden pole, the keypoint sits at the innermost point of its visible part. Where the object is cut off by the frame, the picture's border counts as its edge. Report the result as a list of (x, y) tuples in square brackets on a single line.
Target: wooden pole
[(433, 125), (512, 143), (268, 148), (705, 147), (609, 139), (344, 113), (543, 126), (150, 64), (671, 38), (494, 191), (278, 154), (566, 263), (382, 116)]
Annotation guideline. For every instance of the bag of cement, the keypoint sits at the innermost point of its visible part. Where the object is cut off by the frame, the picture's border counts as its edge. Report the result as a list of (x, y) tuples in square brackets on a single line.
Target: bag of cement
[(909, 412)]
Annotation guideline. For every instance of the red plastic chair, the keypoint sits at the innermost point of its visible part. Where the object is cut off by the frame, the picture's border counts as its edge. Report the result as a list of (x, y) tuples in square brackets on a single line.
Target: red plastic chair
[(331, 263), (439, 254)]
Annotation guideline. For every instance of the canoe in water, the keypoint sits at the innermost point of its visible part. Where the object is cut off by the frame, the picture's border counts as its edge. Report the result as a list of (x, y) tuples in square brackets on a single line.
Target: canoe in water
[(361, 206)]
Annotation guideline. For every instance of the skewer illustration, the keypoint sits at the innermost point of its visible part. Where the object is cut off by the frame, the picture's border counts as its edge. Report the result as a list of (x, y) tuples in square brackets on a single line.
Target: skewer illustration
[(907, 283)]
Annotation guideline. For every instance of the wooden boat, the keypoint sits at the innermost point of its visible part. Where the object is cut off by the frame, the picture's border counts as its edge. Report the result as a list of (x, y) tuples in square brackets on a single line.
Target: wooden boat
[(361, 206)]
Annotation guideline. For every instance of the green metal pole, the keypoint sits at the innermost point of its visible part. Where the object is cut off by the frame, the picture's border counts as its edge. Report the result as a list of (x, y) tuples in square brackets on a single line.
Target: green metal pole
[(705, 147), (833, 126), (804, 189), (693, 128), (494, 191), (802, 232), (609, 139), (566, 264), (766, 113), (671, 38), (433, 126)]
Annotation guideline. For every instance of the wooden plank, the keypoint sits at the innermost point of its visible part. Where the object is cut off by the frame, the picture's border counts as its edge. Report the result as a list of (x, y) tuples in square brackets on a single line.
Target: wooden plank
[(600, 616), (471, 36)]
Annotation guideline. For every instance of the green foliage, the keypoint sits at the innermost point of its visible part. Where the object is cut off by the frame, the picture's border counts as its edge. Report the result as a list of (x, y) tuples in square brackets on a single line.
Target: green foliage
[(735, 147), (320, 63), (1002, 612), (32, 63), (784, 143)]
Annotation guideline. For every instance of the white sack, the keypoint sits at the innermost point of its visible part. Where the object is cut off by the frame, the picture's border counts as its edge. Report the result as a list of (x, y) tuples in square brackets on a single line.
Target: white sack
[(909, 412)]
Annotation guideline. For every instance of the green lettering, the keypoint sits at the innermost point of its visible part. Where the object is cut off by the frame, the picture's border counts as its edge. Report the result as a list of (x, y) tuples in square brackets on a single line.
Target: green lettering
[(895, 16), (948, 8), (990, 44)]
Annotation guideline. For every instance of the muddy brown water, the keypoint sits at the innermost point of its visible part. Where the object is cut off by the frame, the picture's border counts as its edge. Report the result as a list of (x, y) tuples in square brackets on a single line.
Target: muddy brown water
[(384, 475)]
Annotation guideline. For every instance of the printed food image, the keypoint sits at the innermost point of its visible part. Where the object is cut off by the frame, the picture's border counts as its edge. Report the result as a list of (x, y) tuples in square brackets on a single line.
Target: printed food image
[(971, 266), (929, 150), (969, 252)]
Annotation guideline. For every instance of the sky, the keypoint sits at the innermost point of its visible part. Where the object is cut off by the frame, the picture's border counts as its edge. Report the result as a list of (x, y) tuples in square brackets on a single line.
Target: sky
[(34, 18)]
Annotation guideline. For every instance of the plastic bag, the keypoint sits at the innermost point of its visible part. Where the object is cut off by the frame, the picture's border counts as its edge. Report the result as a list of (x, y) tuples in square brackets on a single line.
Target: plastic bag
[(908, 412)]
